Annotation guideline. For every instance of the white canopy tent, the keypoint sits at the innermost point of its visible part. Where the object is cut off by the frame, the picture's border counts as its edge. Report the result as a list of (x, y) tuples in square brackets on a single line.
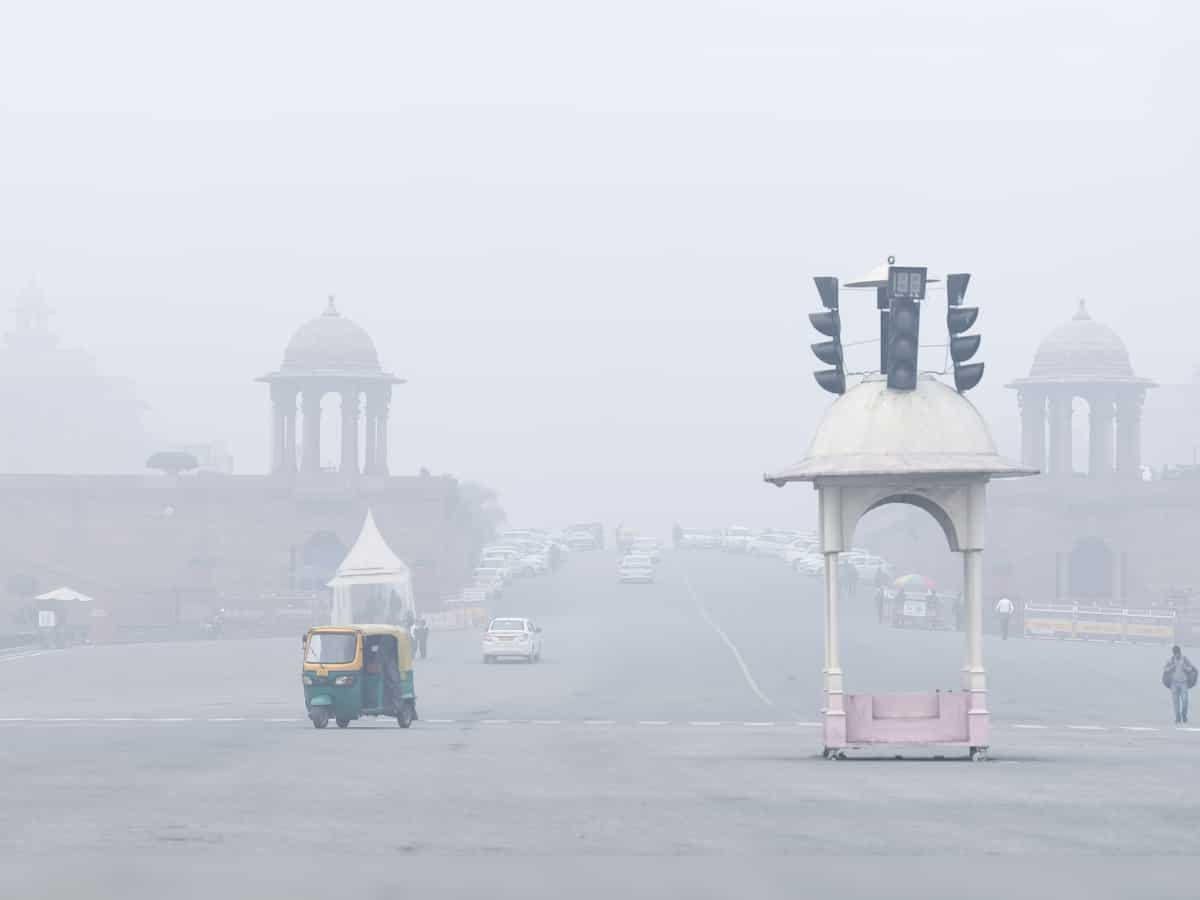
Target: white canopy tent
[(373, 566), (64, 595)]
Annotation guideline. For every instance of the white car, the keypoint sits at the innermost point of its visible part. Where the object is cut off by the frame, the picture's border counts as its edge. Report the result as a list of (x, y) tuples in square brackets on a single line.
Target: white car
[(735, 540), (636, 569), (512, 637), (535, 564), (646, 547)]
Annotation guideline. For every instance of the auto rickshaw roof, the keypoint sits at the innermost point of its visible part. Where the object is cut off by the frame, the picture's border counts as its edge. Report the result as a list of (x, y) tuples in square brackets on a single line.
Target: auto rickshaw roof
[(365, 628)]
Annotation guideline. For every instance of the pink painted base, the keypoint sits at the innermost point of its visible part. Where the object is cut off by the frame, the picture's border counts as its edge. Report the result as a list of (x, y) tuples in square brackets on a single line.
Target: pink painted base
[(925, 718)]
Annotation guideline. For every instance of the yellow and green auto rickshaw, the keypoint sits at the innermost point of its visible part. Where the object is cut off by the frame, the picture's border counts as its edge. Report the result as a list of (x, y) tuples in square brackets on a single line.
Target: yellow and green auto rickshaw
[(358, 670)]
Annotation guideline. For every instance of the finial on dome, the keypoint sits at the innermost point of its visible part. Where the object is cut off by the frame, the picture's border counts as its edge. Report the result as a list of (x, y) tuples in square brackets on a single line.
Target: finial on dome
[(1081, 314), (331, 310)]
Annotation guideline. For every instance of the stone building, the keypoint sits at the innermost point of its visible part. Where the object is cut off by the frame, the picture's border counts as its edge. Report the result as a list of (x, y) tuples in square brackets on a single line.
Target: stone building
[(1102, 523), (159, 548)]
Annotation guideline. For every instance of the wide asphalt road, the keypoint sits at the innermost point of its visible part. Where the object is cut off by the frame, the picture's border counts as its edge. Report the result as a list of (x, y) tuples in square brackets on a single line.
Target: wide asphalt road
[(664, 747)]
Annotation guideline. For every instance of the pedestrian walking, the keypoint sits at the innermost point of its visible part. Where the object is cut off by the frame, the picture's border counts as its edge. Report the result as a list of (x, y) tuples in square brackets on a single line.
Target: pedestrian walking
[(1179, 676), (1004, 608), (880, 597), (421, 630)]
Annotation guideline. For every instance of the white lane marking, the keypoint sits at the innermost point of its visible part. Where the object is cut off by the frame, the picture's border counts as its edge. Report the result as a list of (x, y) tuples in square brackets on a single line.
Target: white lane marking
[(1030, 726), (118, 719), (1137, 728), (228, 719), (1087, 728), (1185, 728), (439, 721), (172, 719), (704, 723), (63, 719), (728, 643), (599, 722), (547, 721), (809, 724), (493, 721), (758, 724), (14, 719), (654, 722)]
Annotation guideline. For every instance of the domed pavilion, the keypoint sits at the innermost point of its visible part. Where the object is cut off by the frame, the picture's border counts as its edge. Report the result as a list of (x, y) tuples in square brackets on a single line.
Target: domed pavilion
[(330, 355), (1086, 359)]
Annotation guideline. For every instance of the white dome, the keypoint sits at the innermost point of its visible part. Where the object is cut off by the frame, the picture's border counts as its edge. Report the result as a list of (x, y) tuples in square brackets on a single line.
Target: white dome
[(871, 430), (330, 343)]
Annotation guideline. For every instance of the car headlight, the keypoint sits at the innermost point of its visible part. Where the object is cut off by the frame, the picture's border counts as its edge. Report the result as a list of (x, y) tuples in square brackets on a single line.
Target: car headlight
[(343, 680), (307, 681)]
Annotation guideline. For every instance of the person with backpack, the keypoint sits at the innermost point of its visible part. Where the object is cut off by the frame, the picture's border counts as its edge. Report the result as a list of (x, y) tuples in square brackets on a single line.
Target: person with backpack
[(1179, 676)]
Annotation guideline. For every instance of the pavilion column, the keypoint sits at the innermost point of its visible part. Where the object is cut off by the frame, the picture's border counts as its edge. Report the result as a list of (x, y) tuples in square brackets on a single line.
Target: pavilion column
[(350, 418), (1060, 434), (283, 418), (1033, 428), (1100, 436), (1129, 435), (311, 449), (377, 420), (974, 676)]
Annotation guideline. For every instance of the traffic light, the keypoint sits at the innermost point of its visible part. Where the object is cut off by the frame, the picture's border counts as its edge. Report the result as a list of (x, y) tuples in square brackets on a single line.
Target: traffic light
[(960, 318), (829, 323), (904, 331)]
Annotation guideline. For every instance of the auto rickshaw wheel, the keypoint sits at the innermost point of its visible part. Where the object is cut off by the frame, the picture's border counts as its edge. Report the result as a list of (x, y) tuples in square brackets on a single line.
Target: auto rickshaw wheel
[(406, 715), (320, 718), (343, 723)]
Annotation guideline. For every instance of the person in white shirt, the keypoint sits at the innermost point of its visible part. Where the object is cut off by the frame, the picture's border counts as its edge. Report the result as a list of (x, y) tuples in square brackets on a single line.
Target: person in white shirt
[(1004, 609)]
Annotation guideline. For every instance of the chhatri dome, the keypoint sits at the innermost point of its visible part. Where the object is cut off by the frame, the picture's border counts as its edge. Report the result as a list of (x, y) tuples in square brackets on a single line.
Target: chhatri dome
[(330, 343), (330, 355), (1082, 360), (1081, 350), (871, 430)]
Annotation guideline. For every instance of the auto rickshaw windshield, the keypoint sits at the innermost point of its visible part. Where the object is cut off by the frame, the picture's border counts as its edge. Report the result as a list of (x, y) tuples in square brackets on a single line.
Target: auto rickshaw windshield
[(331, 648)]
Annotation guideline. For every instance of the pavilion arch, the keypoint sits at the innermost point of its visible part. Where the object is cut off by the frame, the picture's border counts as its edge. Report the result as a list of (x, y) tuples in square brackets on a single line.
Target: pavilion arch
[(936, 512)]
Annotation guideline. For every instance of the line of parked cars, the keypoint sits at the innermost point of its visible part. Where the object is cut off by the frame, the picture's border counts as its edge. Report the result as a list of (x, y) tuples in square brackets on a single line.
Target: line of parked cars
[(515, 554), (801, 550)]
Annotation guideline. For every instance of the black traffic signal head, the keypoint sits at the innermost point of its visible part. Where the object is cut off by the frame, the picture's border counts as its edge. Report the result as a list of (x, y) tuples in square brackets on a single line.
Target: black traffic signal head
[(828, 323), (960, 318), (966, 377), (827, 287), (829, 352), (904, 333), (956, 288), (964, 347)]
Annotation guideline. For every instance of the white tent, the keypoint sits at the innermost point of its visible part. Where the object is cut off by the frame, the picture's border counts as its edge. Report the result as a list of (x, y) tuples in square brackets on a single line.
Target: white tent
[(64, 595), (371, 564)]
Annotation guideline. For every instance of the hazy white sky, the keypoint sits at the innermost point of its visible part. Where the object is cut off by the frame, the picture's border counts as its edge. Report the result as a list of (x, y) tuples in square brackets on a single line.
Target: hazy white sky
[(586, 231)]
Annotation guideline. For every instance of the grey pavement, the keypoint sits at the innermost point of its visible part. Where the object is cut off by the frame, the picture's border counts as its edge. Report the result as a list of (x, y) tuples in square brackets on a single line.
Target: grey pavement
[(636, 759)]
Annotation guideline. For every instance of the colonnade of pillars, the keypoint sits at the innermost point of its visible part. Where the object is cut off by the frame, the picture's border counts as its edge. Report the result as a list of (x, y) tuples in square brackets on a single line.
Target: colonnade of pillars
[(1114, 430), (286, 399)]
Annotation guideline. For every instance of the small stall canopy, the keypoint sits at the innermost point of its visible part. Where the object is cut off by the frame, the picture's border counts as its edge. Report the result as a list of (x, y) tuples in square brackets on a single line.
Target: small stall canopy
[(370, 562), (64, 595)]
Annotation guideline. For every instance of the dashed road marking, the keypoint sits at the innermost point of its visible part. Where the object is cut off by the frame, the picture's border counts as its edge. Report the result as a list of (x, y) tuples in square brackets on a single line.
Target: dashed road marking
[(228, 719), (809, 724), (1023, 725), (544, 721), (758, 724), (703, 724), (440, 721), (495, 722), (1137, 728), (654, 722), (1087, 728), (599, 722)]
